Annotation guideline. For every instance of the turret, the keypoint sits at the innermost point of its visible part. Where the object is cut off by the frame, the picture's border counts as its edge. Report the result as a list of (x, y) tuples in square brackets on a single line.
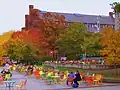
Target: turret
[(26, 21), (31, 7)]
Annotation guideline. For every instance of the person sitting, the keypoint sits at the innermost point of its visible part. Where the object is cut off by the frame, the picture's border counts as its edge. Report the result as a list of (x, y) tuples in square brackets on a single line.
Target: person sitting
[(3, 72), (77, 78), (8, 74), (70, 77), (29, 70), (7, 65)]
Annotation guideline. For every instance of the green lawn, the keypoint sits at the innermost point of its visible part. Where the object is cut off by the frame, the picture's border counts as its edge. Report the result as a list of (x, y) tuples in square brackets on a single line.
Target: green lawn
[(106, 73)]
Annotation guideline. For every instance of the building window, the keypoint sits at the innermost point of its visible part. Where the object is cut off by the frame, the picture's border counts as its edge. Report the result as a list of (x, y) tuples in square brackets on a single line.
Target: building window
[(91, 25), (113, 26), (88, 25)]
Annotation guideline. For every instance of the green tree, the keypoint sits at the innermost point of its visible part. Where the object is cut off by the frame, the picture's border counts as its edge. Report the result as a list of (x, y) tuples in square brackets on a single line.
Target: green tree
[(116, 7), (77, 40), (90, 45), (19, 51)]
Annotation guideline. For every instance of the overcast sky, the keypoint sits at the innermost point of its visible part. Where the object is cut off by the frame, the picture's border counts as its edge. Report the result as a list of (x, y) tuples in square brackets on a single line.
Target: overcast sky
[(12, 12)]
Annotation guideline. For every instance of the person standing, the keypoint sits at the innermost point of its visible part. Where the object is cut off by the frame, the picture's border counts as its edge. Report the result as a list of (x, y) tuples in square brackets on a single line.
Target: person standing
[(7, 66), (77, 78)]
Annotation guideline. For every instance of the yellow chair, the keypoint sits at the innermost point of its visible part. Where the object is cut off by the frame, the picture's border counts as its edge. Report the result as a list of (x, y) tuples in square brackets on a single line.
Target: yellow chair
[(7, 76), (98, 79), (22, 85), (63, 80), (19, 86)]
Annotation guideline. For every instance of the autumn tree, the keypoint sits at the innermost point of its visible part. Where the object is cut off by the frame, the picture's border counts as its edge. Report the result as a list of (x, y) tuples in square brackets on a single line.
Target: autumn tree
[(3, 39), (110, 42), (51, 25), (24, 44)]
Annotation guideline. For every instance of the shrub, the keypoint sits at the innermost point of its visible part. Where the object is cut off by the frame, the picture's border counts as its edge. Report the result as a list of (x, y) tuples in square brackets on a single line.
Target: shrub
[(47, 58)]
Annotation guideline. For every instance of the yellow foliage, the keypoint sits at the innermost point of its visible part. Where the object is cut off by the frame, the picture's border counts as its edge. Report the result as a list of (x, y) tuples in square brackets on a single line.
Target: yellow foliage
[(3, 40), (110, 41), (5, 37)]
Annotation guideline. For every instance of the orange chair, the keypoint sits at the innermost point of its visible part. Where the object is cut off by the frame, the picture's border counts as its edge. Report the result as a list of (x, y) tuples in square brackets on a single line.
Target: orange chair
[(89, 80), (63, 78), (70, 81), (37, 75), (62, 75)]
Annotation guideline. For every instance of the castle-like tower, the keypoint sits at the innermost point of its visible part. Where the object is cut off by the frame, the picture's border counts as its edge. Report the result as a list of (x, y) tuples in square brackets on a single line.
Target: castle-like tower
[(116, 10), (117, 21)]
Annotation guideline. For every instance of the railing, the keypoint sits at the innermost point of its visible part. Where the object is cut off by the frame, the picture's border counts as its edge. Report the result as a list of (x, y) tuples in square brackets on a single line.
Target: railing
[(85, 66)]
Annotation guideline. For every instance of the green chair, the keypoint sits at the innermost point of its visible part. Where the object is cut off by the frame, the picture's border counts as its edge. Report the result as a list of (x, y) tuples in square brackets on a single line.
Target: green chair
[(50, 80), (44, 76)]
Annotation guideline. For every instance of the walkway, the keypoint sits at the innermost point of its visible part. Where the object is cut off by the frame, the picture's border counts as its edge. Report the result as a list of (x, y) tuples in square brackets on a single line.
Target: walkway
[(33, 84)]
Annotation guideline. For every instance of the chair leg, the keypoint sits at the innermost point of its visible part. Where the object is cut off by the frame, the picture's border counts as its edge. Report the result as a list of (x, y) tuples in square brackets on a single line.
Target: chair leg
[(69, 83), (24, 87)]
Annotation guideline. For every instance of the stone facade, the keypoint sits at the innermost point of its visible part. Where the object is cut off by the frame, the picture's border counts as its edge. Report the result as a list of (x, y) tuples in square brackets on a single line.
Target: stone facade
[(117, 21)]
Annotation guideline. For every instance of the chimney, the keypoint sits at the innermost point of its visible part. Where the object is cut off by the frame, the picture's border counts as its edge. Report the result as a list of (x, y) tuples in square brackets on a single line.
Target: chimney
[(26, 21), (31, 7)]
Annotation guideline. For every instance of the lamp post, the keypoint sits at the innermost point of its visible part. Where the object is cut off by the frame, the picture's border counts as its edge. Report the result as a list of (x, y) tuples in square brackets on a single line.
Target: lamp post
[(97, 26), (54, 54)]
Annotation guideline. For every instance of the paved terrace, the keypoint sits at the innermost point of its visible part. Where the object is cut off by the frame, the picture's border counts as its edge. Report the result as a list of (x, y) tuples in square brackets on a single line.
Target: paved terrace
[(33, 84)]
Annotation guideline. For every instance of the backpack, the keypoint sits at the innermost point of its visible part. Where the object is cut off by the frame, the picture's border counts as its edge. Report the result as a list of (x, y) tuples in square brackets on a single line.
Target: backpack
[(75, 86)]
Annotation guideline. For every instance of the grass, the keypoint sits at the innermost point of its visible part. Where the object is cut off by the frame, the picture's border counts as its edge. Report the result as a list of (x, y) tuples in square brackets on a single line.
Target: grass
[(111, 74)]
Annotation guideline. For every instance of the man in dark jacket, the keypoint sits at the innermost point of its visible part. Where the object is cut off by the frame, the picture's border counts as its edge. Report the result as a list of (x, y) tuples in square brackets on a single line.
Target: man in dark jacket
[(77, 78)]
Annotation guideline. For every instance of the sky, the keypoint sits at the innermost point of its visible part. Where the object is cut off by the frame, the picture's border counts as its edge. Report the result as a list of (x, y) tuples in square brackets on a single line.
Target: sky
[(12, 12)]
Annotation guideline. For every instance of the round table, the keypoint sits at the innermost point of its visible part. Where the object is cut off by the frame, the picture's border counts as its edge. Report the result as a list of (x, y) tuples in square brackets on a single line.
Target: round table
[(9, 84)]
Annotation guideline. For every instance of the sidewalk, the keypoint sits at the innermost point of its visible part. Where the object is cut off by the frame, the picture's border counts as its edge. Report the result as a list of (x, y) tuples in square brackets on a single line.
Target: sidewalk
[(33, 84)]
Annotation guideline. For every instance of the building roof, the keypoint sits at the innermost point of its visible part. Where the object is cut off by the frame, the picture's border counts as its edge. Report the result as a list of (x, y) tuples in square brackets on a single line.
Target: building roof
[(74, 17)]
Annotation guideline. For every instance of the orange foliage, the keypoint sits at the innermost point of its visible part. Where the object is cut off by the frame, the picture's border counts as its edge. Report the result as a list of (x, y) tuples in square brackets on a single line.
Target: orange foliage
[(53, 26), (30, 37)]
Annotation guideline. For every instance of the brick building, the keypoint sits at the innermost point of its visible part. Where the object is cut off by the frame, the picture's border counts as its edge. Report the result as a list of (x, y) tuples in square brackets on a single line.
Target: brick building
[(95, 23)]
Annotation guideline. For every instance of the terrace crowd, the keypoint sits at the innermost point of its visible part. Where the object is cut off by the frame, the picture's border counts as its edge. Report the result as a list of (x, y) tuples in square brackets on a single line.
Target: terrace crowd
[(52, 75)]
